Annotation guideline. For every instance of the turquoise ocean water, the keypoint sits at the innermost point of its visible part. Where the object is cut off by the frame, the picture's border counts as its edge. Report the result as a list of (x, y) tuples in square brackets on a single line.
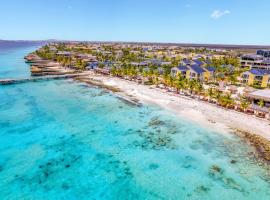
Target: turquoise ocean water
[(12, 64), (66, 140)]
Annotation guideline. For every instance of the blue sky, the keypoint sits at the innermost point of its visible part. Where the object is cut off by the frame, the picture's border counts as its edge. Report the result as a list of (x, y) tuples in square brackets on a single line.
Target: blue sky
[(186, 21)]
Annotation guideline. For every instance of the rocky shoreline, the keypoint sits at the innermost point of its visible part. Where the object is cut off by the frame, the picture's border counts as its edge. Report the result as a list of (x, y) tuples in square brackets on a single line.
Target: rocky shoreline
[(261, 144), (118, 92)]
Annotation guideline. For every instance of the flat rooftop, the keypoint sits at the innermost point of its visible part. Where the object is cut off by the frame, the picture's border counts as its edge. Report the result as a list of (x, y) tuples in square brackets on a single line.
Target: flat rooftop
[(260, 94)]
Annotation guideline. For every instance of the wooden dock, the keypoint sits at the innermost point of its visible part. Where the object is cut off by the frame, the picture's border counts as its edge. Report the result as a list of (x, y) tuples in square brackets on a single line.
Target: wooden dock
[(41, 78)]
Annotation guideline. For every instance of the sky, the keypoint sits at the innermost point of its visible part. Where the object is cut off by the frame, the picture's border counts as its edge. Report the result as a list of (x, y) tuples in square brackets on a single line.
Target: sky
[(182, 21)]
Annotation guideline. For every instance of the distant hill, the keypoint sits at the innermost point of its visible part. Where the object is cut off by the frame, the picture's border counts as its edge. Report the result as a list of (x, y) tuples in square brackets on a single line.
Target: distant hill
[(6, 44), (218, 46), (25, 43)]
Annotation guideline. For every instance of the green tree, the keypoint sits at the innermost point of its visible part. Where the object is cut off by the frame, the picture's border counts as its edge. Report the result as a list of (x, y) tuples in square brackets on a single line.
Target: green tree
[(80, 65), (178, 83), (261, 103), (244, 103), (226, 100), (211, 93)]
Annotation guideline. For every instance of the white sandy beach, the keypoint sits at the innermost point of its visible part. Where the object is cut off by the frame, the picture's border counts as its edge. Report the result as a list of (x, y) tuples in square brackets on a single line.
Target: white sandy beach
[(204, 113)]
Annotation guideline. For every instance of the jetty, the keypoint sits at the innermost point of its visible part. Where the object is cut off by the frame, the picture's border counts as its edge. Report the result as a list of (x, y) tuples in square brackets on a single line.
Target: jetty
[(35, 79)]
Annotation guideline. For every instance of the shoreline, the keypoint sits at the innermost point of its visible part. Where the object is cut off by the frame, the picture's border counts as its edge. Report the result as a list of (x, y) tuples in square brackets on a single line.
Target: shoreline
[(255, 131), (201, 112)]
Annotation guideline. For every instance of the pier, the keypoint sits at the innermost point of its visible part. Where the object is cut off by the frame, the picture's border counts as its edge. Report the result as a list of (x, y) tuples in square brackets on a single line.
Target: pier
[(41, 78)]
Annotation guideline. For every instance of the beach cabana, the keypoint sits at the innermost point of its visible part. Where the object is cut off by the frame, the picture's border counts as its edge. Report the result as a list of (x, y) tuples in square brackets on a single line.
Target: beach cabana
[(260, 102)]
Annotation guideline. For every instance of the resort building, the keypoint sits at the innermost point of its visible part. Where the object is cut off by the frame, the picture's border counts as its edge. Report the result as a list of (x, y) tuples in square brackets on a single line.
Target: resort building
[(264, 53), (264, 64), (256, 77), (65, 53), (198, 73), (92, 65), (193, 62), (210, 72), (260, 100), (194, 72), (198, 62), (186, 62), (256, 61), (158, 62), (86, 57), (180, 70), (250, 59)]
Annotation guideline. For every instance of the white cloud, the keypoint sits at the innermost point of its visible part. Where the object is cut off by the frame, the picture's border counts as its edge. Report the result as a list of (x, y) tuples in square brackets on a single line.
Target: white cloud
[(218, 13)]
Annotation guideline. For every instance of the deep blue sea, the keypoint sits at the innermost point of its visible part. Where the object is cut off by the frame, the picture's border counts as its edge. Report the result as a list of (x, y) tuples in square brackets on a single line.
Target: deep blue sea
[(12, 64), (66, 140)]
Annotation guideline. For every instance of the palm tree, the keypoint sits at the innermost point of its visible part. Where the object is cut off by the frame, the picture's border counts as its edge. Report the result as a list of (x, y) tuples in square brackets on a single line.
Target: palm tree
[(171, 81), (217, 94), (229, 100), (226, 100), (145, 73), (244, 104), (221, 100), (178, 83), (185, 84), (261, 103), (133, 72), (198, 87), (114, 71), (210, 93), (192, 85), (156, 77), (166, 79)]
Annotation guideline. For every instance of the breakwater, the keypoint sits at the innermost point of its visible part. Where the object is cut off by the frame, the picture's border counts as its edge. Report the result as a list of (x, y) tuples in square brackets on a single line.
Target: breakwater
[(34, 79)]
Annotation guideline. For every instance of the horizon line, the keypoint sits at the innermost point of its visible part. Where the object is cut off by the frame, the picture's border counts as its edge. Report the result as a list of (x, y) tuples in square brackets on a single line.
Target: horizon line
[(184, 44)]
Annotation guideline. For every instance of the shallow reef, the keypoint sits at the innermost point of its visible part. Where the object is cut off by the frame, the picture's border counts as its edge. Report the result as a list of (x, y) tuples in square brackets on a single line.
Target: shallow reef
[(219, 174), (261, 144)]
